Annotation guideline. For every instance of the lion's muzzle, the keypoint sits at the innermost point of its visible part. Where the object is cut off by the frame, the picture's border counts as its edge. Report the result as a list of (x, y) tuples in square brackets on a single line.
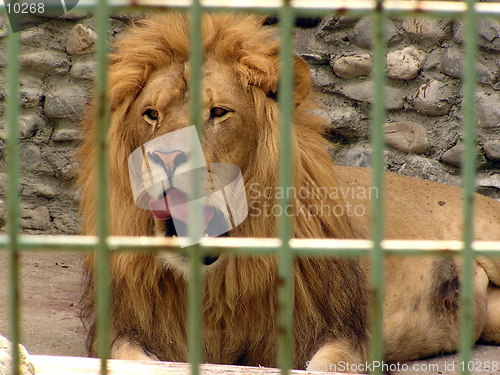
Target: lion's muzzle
[(170, 160), (161, 175)]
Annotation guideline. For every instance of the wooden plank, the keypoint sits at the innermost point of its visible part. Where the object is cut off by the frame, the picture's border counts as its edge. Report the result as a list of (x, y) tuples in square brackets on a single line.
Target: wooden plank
[(52, 365)]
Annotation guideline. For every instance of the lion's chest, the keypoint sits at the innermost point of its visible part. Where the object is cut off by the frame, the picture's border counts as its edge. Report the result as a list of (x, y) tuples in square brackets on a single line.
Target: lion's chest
[(241, 330)]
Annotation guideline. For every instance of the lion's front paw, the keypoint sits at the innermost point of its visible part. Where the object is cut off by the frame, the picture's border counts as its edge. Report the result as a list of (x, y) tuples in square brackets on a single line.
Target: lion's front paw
[(337, 356), (491, 332), (26, 366), (124, 349)]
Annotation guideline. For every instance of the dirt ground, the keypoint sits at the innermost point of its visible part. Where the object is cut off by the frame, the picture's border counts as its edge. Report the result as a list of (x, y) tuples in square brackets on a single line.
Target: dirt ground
[(50, 291), (51, 286)]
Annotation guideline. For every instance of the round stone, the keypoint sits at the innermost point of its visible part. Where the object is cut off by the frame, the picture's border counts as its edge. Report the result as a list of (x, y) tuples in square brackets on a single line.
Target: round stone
[(353, 66), (407, 136), (404, 64), (434, 98)]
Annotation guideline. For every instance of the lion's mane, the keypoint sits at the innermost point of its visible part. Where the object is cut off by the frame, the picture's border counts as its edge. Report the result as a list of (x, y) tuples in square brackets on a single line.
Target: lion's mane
[(149, 306)]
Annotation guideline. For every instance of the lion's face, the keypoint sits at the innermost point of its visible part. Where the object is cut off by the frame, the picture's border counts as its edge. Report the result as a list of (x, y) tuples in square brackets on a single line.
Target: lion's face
[(159, 111)]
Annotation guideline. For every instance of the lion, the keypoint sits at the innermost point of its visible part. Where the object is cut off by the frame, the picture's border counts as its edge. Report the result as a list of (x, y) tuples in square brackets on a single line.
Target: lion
[(149, 102)]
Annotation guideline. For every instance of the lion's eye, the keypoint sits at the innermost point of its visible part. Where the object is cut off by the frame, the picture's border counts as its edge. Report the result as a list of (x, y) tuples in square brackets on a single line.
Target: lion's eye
[(151, 116), (218, 112)]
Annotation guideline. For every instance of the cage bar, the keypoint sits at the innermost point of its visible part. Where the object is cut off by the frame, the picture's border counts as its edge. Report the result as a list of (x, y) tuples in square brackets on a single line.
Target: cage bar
[(318, 7), (102, 288), (260, 246), (195, 283), (469, 157), (13, 196), (378, 114), (285, 223)]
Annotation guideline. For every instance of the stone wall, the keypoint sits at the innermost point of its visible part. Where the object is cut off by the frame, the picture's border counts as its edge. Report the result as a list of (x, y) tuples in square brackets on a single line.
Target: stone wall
[(57, 68), (423, 101)]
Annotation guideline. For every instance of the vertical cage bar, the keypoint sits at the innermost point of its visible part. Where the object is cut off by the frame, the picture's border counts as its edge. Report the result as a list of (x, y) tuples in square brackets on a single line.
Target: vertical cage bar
[(378, 113), (285, 223), (103, 294), (13, 200), (195, 284), (469, 76)]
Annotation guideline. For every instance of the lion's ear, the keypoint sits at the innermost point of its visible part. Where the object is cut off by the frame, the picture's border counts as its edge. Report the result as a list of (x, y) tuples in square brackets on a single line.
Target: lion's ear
[(269, 83), (302, 78)]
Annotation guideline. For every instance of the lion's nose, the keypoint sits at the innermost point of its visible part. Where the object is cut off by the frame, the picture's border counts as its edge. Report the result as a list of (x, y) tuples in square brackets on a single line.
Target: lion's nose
[(170, 160)]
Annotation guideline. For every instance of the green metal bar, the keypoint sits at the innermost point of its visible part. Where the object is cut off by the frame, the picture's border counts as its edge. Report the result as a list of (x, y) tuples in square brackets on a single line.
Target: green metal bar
[(285, 223), (248, 246), (377, 138), (103, 294), (306, 7), (469, 159), (13, 200), (195, 284)]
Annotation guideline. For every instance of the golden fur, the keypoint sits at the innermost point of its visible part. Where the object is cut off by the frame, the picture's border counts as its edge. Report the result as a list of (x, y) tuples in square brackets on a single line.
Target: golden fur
[(148, 69)]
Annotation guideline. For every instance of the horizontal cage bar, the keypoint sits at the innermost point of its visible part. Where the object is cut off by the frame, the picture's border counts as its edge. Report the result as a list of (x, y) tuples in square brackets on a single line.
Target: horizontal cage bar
[(309, 7), (249, 245)]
